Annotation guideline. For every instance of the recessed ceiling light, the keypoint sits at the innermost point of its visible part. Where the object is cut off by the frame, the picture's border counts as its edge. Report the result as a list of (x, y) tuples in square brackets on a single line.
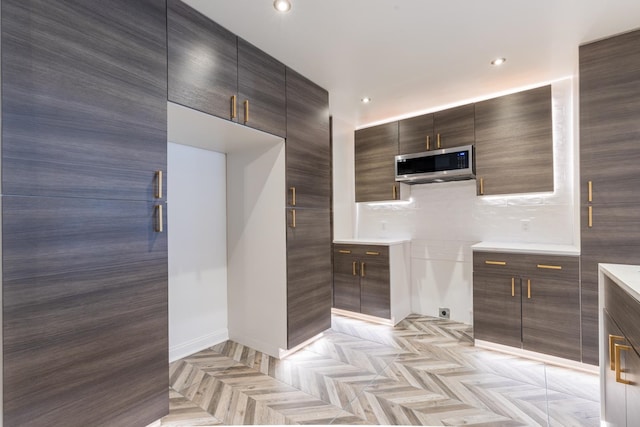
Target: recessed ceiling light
[(282, 5), (366, 100), (498, 61)]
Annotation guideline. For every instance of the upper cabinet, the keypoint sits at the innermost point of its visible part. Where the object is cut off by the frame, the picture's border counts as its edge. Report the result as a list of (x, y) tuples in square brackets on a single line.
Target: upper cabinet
[(514, 143), (375, 151), (444, 129), (213, 71)]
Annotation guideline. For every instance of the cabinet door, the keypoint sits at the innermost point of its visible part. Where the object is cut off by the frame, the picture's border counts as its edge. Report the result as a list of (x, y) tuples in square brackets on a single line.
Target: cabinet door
[(454, 127), (84, 107), (610, 119), (613, 238), (261, 84), (203, 62), (375, 293), (346, 279), (550, 300), (514, 143), (308, 274), (497, 309), (614, 392), (85, 312), (308, 145), (632, 374), (375, 151), (416, 134)]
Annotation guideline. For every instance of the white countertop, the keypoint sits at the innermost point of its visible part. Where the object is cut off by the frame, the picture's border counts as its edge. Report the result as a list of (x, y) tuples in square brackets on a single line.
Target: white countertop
[(527, 248), (626, 276), (371, 241)]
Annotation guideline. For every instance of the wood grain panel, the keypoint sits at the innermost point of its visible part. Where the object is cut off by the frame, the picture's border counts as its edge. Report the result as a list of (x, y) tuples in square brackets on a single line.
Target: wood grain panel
[(614, 238), (308, 275), (554, 301), (308, 143), (413, 134), (492, 263), (610, 119), (375, 282), (632, 373), (375, 151), (625, 310), (261, 81), (84, 97), (346, 280), (203, 62), (85, 313), (614, 392), (514, 142), (456, 126), (496, 313)]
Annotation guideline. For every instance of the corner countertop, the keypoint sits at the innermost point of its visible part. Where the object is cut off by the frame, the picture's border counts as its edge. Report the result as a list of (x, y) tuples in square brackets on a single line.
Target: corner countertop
[(526, 248), (626, 276), (371, 241)]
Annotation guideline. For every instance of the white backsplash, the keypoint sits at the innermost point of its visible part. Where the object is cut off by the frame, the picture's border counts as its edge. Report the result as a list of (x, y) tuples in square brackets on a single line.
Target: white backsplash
[(444, 220)]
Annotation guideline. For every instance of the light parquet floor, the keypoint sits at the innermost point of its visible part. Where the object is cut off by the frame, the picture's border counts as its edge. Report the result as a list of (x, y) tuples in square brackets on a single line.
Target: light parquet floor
[(424, 371)]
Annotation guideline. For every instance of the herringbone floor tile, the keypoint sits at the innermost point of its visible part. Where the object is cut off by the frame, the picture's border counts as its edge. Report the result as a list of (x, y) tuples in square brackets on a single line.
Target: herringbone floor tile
[(423, 371)]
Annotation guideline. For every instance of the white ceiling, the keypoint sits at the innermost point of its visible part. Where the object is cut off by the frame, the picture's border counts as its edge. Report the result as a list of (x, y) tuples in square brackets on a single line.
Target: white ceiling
[(418, 55)]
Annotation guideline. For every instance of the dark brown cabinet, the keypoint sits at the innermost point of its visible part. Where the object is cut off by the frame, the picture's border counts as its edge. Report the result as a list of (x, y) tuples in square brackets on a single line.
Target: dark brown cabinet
[(84, 94), (609, 177), (620, 368), (375, 151), (213, 71), (308, 164), (514, 143), (520, 299), (362, 279), (444, 129)]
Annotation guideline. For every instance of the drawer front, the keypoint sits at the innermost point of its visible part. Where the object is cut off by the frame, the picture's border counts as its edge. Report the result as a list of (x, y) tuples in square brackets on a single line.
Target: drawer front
[(366, 252), (624, 310), (498, 263), (524, 265)]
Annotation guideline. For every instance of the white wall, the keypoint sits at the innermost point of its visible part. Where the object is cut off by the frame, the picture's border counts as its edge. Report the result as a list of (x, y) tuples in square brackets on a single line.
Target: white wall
[(444, 220), (197, 224)]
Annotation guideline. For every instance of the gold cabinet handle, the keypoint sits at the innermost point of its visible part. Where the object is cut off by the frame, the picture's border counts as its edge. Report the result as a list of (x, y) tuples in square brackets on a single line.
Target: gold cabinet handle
[(362, 269), (550, 267), (293, 218), (612, 342), (619, 348), (428, 142), (481, 186), (528, 288), (343, 251), (513, 286), (234, 109), (353, 266), (159, 219), (293, 195), (395, 192), (590, 223), (496, 262), (438, 142), (590, 191), (246, 111), (372, 253), (158, 184)]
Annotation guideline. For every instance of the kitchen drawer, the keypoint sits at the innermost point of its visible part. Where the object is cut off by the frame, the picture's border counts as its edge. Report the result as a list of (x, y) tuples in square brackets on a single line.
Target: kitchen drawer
[(523, 265), (499, 263), (362, 251)]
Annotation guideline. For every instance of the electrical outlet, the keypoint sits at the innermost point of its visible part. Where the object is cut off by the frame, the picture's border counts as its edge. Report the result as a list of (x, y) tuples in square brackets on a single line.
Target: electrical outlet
[(525, 224)]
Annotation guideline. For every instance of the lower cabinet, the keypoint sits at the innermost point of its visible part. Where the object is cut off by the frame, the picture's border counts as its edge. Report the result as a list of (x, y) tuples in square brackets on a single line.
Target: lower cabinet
[(520, 300), (363, 276), (620, 356)]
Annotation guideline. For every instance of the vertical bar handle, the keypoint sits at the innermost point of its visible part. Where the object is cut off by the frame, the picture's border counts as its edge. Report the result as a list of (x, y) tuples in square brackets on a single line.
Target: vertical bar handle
[(293, 195), (590, 191), (394, 192), (438, 142), (612, 342), (293, 218), (353, 268), (234, 109), (159, 184), (159, 219), (428, 142), (528, 288), (590, 219), (362, 269), (481, 186), (513, 286), (619, 348), (246, 111)]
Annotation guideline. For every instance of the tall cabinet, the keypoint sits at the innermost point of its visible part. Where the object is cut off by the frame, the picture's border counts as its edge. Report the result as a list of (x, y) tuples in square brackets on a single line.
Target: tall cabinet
[(84, 247), (308, 164), (609, 174)]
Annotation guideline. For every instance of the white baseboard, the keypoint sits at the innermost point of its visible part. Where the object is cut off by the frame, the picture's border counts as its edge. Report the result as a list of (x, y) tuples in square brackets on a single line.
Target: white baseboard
[(188, 348)]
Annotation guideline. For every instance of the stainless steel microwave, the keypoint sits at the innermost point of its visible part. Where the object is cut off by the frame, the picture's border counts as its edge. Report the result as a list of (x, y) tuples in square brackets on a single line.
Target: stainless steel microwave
[(447, 164)]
